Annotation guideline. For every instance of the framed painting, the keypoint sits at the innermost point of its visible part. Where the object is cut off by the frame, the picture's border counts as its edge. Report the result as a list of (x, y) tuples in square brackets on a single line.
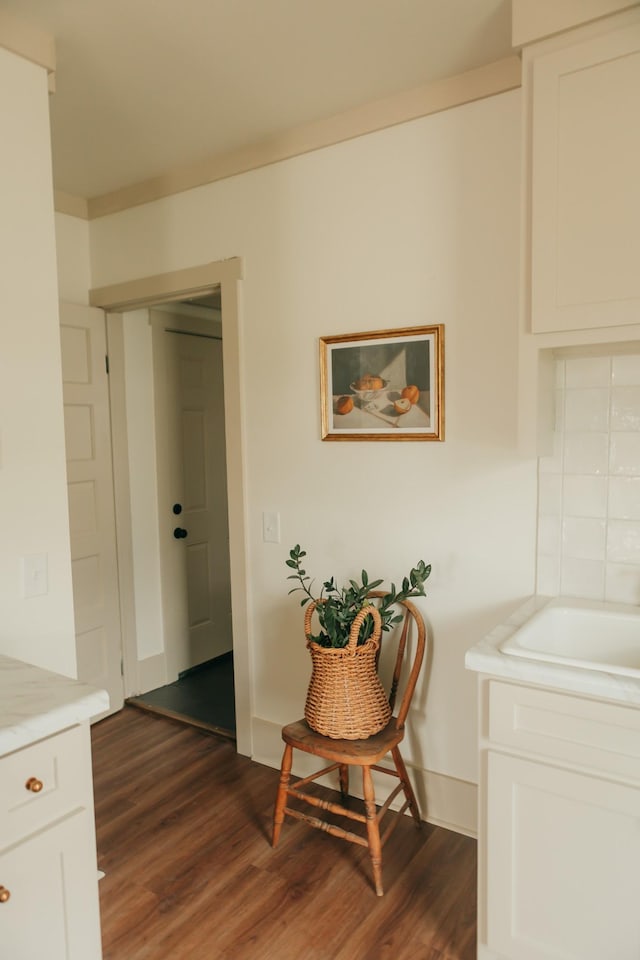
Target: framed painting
[(383, 385)]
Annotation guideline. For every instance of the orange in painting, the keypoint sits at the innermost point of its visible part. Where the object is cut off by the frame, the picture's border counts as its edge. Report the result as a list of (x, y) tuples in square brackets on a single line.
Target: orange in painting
[(344, 405), (402, 405), (411, 393)]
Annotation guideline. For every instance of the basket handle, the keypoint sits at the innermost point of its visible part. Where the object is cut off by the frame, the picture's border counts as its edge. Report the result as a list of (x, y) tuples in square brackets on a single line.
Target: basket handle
[(370, 610)]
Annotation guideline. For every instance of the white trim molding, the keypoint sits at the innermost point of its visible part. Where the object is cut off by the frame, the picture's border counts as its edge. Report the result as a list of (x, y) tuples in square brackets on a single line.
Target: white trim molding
[(28, 42), (477, 84), (534, 19)]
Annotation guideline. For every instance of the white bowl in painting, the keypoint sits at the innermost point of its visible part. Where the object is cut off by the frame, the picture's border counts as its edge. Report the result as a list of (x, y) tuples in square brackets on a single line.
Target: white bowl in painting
[(369, 386)]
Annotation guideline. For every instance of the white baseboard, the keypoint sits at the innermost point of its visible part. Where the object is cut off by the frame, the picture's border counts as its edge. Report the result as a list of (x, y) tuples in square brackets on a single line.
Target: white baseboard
[(443, 800)]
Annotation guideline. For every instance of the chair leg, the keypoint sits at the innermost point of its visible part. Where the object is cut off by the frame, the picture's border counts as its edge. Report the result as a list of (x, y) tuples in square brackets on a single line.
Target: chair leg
[(344, 781), (281, 798), (406, 785), (373, 830)]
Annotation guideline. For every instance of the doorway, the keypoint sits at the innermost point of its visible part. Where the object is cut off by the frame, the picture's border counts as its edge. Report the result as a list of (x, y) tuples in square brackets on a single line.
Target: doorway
[(147, 667), (188, 386)]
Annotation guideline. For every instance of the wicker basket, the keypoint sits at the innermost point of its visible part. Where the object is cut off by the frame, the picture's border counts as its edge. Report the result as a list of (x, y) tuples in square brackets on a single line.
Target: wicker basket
[(346, 700)]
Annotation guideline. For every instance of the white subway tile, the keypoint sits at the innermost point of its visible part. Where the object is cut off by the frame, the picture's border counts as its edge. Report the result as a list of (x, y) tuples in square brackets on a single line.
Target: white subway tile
[(623, 541), (549, 536), (625, 408), (586, 410), (582, 578), (625, 371), (624, 498), (588, 371), (559, 412), (586, 453), (625, 454), (553, 463), (622, 583), (584, 496), (583, 538), (548, 576), (550, 494)]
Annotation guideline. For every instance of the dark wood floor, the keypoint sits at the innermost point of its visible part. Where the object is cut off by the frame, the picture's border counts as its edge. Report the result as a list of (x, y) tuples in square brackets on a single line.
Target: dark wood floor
[(183, 828)]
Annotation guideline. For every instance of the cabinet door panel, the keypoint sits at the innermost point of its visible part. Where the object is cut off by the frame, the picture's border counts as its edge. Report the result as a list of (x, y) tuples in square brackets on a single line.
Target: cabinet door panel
[(563, 863), (52, 911), (585, 229)]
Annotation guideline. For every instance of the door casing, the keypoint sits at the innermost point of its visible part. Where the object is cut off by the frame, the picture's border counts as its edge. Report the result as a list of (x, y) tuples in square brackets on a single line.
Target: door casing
[(150, 292)]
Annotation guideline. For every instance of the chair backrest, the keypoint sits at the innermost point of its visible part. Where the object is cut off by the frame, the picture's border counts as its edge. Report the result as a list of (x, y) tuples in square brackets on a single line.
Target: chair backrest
[(411, 616)]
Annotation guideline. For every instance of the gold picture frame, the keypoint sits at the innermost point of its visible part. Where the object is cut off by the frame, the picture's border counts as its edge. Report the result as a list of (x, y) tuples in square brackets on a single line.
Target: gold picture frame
[(383, 385)]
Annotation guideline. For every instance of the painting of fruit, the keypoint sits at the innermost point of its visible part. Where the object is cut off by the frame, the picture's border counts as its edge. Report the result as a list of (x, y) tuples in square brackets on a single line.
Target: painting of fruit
[(383, 385)]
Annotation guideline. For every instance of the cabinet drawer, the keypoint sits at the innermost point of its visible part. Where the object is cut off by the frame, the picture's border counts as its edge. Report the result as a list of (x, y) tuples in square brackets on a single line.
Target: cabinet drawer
[(602, 736), (60, 764)]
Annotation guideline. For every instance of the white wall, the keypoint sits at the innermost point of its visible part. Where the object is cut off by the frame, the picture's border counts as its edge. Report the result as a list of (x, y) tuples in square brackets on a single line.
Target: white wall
[(417, 224), (33, 506), (589, 493)]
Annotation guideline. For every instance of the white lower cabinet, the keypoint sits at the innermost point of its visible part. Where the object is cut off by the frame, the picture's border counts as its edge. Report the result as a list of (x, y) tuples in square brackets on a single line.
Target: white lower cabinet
[(559, 827), (48, 873)]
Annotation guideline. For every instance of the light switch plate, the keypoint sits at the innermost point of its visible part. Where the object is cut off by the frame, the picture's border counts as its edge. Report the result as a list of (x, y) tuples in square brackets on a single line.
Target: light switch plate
[(271, 527)]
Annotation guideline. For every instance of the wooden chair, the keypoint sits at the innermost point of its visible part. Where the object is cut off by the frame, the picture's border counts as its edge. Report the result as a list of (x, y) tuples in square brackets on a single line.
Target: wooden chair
[(367, 754)]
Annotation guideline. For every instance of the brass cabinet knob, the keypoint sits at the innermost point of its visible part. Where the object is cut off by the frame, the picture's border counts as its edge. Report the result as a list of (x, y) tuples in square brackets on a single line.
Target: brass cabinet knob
[(4, 894), (34, 785)]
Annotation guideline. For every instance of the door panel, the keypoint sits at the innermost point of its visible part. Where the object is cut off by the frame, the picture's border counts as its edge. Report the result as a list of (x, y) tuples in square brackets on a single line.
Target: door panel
[(192, 472), (90, 491)]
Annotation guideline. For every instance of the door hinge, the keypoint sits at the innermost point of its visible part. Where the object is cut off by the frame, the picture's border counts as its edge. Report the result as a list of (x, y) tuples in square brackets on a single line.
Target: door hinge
[(106, 362), (122, 666)]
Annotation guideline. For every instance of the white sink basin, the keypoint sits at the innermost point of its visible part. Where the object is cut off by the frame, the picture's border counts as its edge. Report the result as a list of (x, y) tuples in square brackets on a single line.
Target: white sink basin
[(581, 633)]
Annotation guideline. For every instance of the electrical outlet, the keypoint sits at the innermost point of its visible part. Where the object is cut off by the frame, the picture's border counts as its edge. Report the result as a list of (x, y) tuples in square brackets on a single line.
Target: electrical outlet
[(271, 527)]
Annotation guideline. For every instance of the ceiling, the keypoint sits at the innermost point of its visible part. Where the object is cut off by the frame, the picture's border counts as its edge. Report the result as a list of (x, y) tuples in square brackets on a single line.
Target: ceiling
[(145, 86)]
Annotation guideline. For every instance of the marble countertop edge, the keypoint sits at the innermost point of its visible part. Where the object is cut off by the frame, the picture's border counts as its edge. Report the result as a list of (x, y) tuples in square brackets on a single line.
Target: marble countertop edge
[(36, 703)]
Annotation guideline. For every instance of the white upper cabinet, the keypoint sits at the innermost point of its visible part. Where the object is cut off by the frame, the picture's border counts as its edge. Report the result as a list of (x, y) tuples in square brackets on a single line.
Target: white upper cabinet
[(582, 94)]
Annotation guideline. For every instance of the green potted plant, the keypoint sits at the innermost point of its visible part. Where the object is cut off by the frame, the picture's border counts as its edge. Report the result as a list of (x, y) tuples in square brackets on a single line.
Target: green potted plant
[(345, 698)]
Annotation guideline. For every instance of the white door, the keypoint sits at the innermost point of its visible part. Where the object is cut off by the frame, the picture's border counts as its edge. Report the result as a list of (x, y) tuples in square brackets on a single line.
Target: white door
[(91, 505), (192, 493)]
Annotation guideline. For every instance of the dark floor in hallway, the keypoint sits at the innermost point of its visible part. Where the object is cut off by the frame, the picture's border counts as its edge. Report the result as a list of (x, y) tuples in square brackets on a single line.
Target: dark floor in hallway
[(203, 696)]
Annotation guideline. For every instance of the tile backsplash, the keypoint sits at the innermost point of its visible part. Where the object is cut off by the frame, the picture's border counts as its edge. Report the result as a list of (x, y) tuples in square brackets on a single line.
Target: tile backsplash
[(589, 490)]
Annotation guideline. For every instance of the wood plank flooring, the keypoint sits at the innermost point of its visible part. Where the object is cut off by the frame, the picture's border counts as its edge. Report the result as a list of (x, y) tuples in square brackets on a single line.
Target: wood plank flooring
[(184, 827)]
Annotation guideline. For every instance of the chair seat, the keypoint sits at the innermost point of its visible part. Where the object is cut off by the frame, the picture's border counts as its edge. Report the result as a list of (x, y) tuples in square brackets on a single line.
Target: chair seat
[(354, 752)]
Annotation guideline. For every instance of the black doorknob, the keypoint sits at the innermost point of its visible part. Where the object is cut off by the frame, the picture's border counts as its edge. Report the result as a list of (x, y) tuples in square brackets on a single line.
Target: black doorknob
[(179, 533), (177, 508)]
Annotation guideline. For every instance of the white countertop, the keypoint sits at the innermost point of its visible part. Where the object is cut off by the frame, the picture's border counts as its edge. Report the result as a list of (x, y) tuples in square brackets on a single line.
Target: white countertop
[(487, 658), (36, 703)]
